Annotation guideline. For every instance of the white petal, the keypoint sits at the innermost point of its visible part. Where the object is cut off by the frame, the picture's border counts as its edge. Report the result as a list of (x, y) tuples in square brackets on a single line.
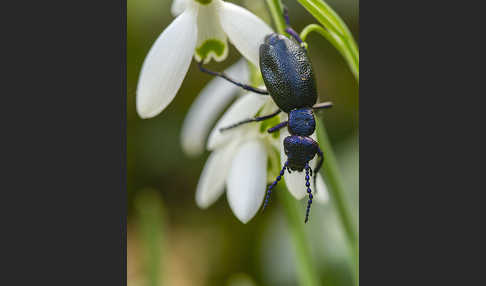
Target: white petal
[(211, 39), (208, 105), (296, 184), (245, 107), (178, 6), (246, 181), (166, 65), (211, 183), (245, 30), (321, 194)]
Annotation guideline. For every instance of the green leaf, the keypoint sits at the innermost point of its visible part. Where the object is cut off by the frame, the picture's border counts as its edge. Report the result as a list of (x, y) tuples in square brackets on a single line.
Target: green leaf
[(337, 32)]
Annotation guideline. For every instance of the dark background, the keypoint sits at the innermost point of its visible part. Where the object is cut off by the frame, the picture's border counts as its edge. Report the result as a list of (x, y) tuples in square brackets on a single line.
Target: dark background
[(63, 130)]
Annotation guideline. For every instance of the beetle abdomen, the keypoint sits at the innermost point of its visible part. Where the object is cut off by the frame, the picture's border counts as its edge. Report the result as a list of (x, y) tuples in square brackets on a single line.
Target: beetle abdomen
[(287, 73)]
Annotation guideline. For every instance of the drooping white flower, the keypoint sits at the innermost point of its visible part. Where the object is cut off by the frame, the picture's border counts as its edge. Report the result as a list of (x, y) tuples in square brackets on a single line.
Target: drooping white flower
[(202, 28), (245, 159)]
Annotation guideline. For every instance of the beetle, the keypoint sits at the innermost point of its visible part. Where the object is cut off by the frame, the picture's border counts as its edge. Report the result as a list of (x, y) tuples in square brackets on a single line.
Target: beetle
[(289, 78)]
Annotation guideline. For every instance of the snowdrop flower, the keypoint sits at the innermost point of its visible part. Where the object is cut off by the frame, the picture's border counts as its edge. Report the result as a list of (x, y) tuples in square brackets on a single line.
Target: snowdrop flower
[(202, 29), (245, 159), (208, 105)]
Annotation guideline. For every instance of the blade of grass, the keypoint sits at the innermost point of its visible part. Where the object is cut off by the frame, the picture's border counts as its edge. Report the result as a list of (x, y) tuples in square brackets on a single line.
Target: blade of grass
[(151, 222), (306, 270)]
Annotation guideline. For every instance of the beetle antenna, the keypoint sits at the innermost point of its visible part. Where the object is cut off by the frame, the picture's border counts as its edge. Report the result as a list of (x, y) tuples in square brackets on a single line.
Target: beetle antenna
[(322, 105), (288, 28), (309, 191), (224, 76), (256, 119), (269, 191)]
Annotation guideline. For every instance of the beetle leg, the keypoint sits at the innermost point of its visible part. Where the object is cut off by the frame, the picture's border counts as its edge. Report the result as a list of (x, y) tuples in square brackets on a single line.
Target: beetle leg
[(278, 127), (319, 164), (222, 75), (322, 105), (250, 120), (269, 191), (288, 170), (289, 29)]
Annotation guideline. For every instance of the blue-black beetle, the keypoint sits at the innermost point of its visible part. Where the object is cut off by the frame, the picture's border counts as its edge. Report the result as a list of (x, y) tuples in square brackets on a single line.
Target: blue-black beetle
[(288, 75)]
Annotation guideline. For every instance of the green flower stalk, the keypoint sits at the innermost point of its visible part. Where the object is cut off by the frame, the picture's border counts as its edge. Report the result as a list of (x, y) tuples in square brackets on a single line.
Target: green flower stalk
[(337, 33), (351, 58)]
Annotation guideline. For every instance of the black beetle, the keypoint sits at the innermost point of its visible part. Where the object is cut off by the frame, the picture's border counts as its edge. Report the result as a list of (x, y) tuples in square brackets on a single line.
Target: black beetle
[(288, 75)]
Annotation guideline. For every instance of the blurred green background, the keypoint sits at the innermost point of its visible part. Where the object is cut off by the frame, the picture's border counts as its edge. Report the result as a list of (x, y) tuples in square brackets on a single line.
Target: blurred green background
[(173, 242)]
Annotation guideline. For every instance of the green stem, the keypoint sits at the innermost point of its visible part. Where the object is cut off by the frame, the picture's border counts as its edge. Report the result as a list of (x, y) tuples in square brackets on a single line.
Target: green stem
[(330, 172), (336, 27), (336, 41), (276, 10), (324, 15), (306, 269)]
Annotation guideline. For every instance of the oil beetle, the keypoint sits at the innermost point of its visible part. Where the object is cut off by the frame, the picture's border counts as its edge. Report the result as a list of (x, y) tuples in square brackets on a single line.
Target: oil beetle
[(288, 75)]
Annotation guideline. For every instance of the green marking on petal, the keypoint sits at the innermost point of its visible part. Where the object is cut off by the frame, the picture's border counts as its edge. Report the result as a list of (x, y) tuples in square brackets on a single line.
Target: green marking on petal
[(204, 2), (255, 75), (273, 163), (211, 46), (269, 123)]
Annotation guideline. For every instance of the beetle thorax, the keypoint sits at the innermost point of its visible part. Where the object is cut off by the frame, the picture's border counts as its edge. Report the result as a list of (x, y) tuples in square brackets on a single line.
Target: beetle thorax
[(302, 122)]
